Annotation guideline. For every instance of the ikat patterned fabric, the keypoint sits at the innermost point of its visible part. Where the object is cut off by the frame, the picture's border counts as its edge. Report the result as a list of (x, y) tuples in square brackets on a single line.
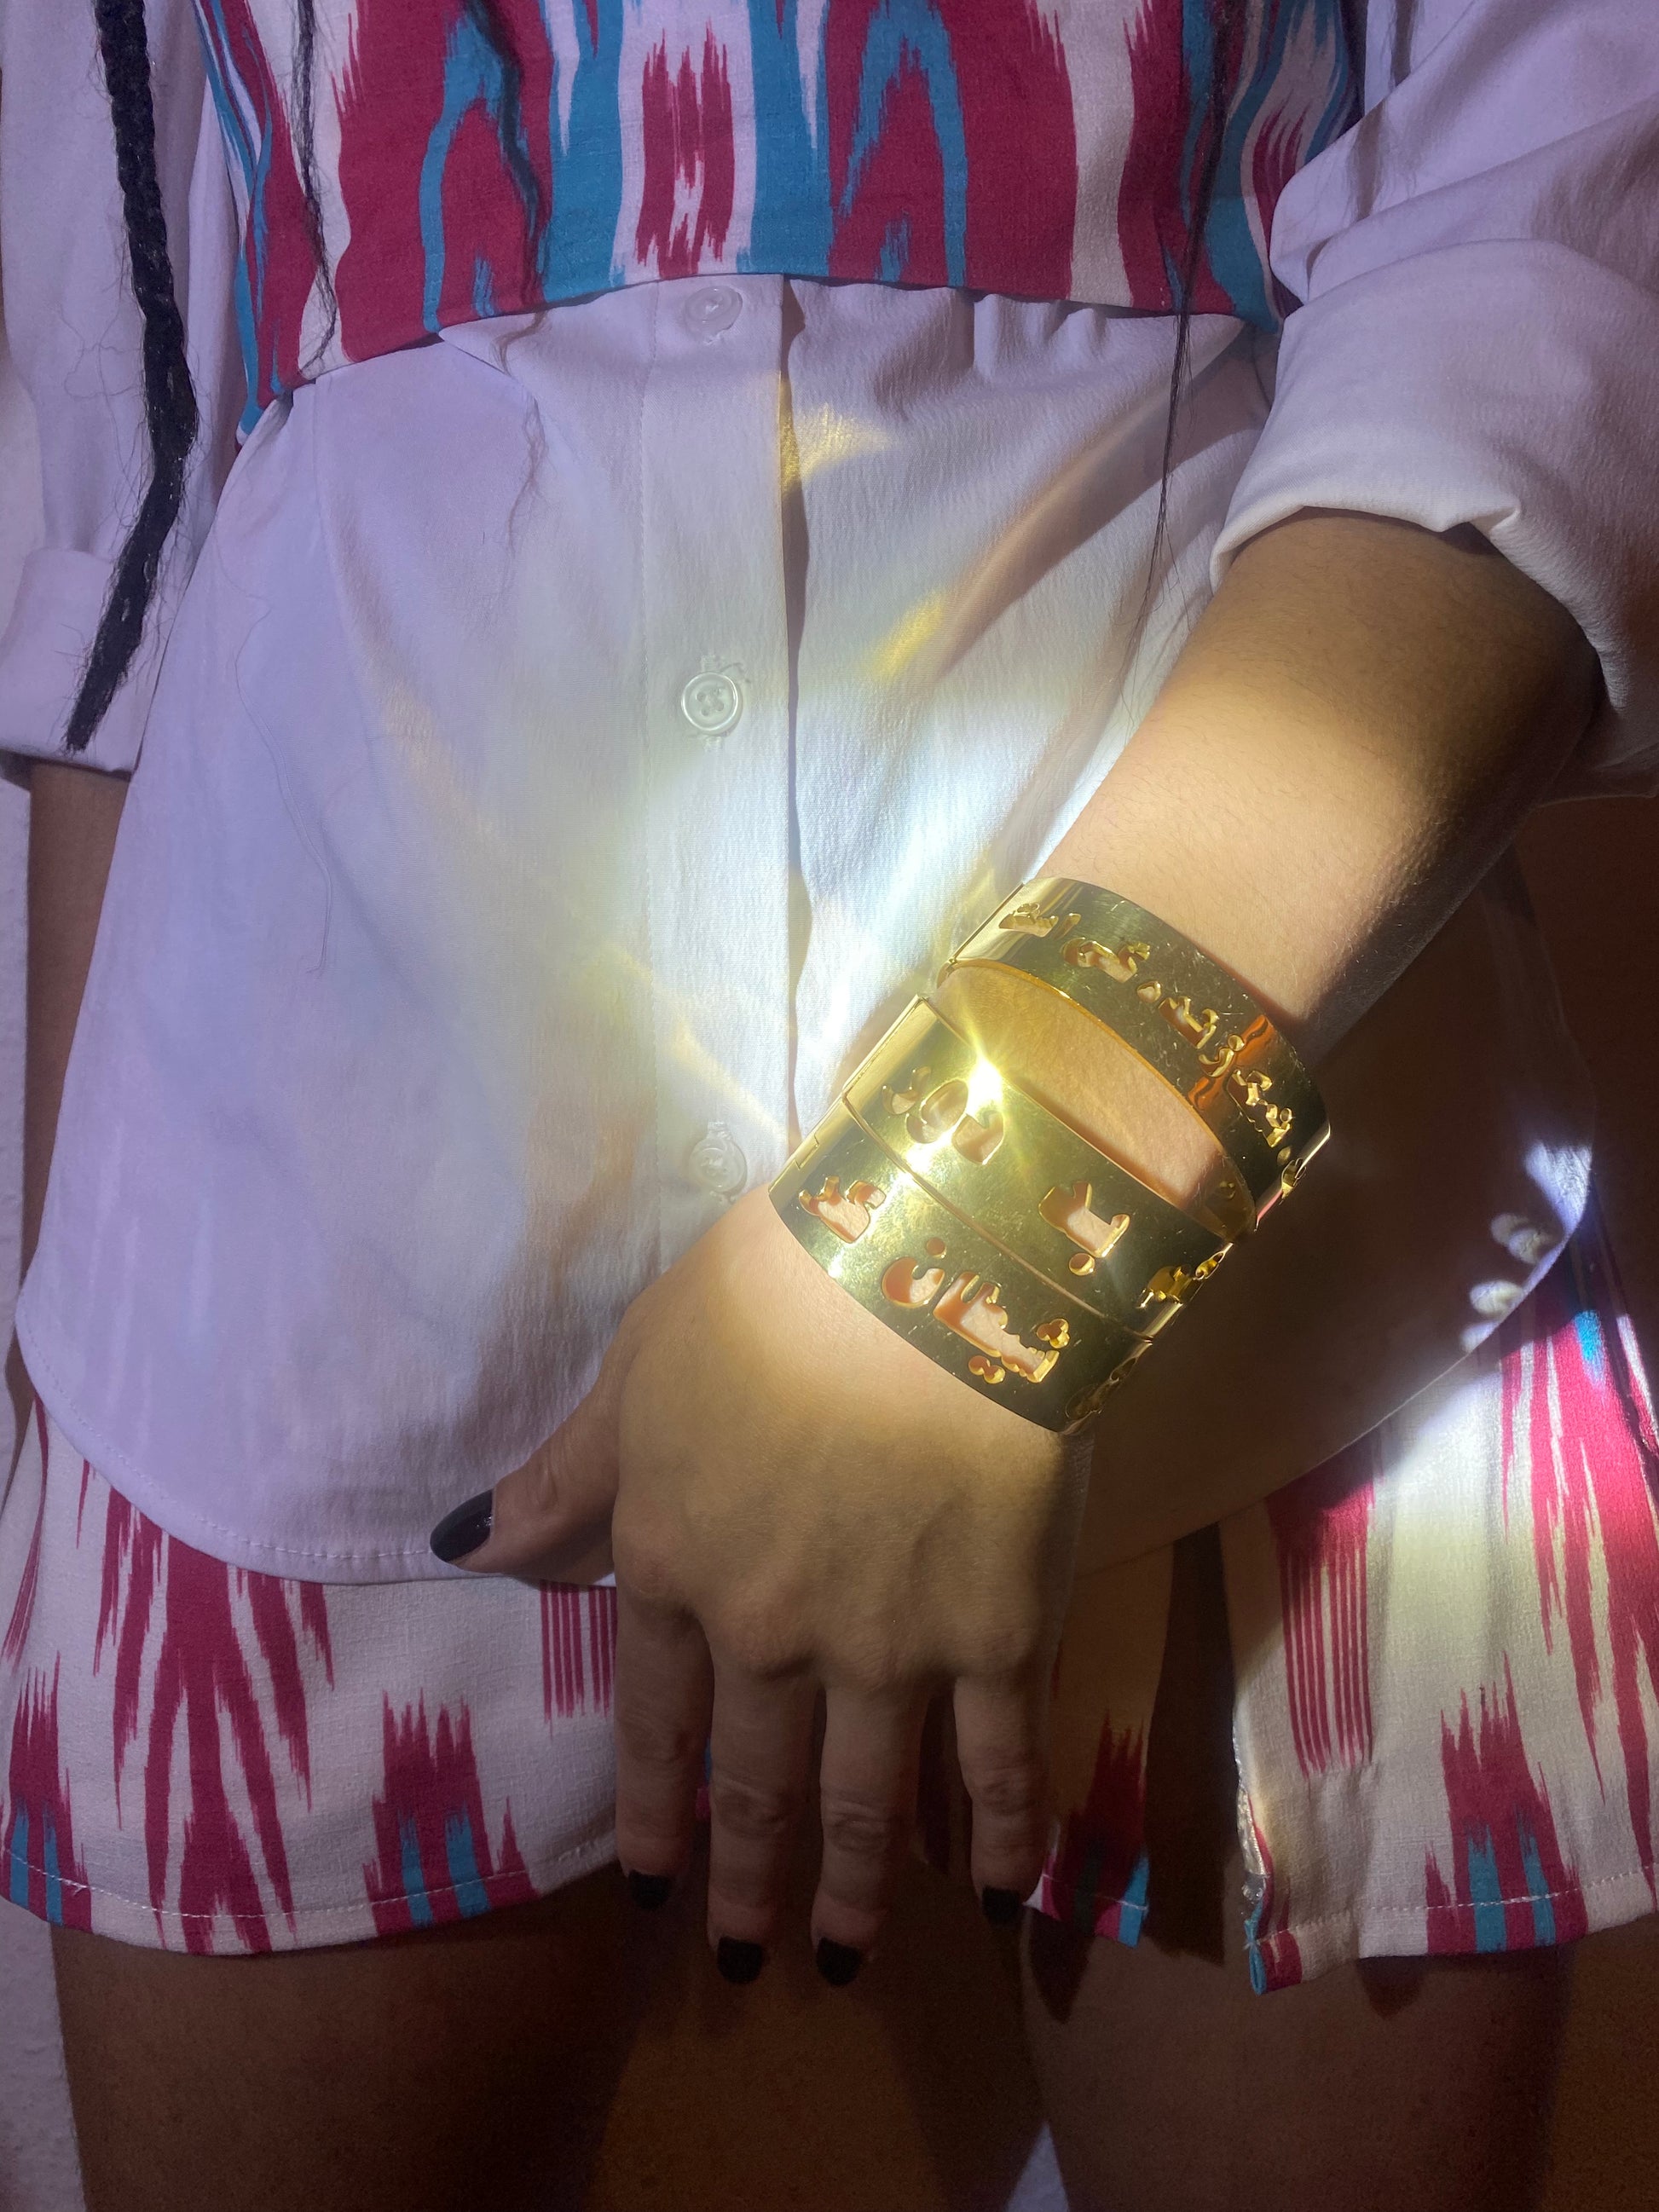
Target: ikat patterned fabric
[(1445, 1642), (472, 158)]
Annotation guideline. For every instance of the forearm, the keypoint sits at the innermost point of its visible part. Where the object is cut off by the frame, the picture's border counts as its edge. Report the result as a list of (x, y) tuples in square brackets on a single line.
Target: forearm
[(1357, 727), (74, 814)]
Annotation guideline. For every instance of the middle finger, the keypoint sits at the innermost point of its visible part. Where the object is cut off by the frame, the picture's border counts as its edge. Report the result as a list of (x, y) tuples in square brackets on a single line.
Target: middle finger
[(760, 1751), (867, 1783)]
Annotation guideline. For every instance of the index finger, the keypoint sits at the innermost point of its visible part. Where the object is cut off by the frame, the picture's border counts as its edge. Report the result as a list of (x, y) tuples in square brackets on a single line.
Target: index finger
[(759, 1754), (661, 1705)]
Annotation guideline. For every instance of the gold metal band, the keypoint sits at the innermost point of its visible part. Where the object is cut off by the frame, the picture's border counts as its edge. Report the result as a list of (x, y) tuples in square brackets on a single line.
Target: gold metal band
[(980, 1227), (1037, 1188), (1191, 1022), (937, 1281)]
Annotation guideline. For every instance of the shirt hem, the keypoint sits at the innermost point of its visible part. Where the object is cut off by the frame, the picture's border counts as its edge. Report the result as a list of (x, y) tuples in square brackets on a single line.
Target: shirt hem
[(132, 1920), (1374, 1930), (413, 1562)]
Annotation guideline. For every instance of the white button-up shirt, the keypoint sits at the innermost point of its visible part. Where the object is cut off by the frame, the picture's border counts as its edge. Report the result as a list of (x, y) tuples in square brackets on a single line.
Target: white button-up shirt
[(579, 736)]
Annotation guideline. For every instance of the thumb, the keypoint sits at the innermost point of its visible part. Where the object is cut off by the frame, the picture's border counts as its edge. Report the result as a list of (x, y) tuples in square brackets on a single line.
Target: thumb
[(550, 1519)]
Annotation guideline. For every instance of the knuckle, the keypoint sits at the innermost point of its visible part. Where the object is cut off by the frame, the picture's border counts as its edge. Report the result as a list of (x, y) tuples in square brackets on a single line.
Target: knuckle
[(748, 1649), (537, 1484), (875, 1666), (656, 1743), (1009, 1788), (645, 1566), (1007, 1643), (758, 1638), (757, 1812), (859, 1828)]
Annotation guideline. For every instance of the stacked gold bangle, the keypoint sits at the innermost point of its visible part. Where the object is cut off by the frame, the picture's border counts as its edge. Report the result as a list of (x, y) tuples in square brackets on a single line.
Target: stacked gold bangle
[(976, 1224)]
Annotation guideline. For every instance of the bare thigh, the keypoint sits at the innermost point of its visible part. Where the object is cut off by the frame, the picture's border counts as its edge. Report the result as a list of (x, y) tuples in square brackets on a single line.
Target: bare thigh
[(574, 2053), (1170, 2086), (453, 2068)]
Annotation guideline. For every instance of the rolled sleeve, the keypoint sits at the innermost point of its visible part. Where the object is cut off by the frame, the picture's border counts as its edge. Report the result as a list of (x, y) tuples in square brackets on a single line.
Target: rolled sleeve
[(74, 337), (54, 618), (1477, 341)]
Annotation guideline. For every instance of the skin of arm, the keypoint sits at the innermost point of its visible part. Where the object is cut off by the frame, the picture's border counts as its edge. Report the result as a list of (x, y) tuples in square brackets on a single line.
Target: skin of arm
[(74, 814), (1354, 731), (1351, 737)]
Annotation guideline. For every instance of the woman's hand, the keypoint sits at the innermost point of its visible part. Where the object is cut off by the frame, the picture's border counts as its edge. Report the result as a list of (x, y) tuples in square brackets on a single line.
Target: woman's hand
[(804, 1501)]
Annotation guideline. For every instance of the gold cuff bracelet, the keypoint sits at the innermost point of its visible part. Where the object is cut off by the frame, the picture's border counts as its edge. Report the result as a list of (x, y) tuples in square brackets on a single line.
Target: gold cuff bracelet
[(1037, 1188), (980, 1227), (1190, 1021), (934, 1279)]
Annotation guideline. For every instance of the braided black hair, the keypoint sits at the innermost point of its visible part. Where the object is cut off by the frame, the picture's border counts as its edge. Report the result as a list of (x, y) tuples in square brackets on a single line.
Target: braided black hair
[(305, 156), (169, 396), (484, 16), (170, 407)]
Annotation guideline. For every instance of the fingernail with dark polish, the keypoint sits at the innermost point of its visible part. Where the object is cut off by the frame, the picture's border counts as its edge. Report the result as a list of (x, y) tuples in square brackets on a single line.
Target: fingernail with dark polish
[(465, 1529), (650, 1890), (838, 1962), (740, 1962), (1001, 1906)]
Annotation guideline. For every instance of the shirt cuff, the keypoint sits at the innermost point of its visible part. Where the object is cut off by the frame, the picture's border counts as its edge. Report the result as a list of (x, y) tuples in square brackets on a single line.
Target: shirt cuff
[(43, 654), (1509, 384)]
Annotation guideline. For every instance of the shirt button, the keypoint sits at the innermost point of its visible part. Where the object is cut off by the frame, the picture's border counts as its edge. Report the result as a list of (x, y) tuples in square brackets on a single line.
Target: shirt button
[(713, 309), (712, 701), (717, 1163)]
